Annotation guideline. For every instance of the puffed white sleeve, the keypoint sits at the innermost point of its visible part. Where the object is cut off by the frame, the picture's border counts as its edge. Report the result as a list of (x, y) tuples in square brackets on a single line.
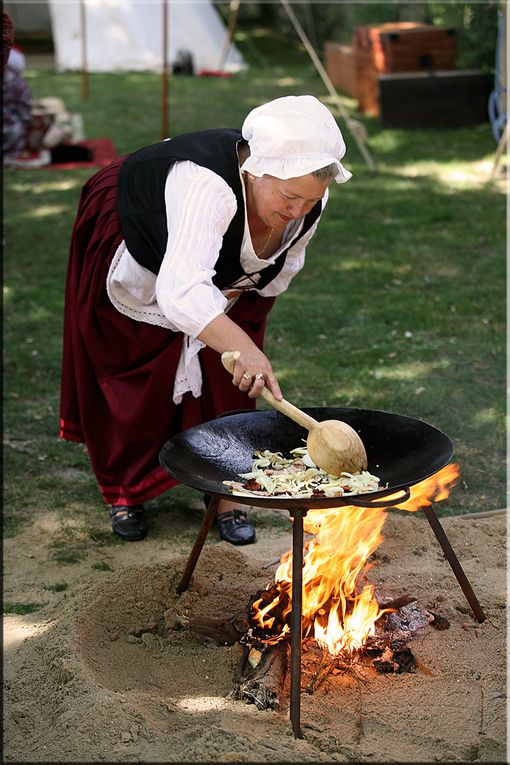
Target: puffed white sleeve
[(294, 261), (199, 208)]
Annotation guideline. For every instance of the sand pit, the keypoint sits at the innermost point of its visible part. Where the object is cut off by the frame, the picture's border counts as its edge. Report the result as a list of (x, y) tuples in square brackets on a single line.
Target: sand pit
[(110, 676)]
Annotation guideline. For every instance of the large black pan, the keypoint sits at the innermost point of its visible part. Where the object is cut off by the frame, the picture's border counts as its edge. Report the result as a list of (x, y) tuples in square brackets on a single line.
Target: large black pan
[(401, 451)]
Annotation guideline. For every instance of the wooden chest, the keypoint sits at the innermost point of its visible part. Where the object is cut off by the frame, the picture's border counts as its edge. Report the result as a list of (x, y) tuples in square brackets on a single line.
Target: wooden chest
[(342, 67), (387, 49), (433, 99), (407, 47)]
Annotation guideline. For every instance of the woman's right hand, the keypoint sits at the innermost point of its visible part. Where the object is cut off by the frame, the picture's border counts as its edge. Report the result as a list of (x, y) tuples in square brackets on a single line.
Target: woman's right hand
[(252, 372), (252, 368)]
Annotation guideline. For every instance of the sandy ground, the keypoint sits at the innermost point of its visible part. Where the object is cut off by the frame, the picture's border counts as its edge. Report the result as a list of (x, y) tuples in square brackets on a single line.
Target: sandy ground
[(101, 674)]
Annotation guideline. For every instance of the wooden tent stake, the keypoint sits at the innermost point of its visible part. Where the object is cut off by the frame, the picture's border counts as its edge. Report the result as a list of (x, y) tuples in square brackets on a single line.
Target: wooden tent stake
[(234, 10), (84, 67)]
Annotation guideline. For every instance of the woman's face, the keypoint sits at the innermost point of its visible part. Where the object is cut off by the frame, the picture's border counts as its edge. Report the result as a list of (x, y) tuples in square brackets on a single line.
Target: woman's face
[(276, 202)]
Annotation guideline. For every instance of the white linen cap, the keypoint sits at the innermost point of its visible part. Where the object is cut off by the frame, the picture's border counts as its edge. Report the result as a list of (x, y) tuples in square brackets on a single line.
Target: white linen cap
[(293, 136)]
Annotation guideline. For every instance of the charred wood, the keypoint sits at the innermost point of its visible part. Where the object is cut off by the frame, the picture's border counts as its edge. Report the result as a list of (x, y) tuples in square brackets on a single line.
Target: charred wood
[(397, 659), (394, 601), (404, 659), (263, 684), (404, 623), (439, 622), (385, 663)]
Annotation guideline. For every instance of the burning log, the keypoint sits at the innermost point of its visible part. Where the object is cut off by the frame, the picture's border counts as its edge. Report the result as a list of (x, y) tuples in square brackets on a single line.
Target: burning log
[(276, 600), (261, 676)]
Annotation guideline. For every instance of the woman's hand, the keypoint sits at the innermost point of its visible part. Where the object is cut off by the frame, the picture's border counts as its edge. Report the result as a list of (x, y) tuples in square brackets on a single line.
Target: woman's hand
[(252, 372), (252, 369)]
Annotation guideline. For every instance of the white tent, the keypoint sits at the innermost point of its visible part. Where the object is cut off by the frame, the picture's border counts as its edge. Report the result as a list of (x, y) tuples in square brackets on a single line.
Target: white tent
[(122, 35)]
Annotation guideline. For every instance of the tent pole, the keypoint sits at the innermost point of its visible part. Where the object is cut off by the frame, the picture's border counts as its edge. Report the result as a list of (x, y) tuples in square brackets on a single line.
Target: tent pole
[(353, 126), (234, 10), (84, 70), (164, 75)]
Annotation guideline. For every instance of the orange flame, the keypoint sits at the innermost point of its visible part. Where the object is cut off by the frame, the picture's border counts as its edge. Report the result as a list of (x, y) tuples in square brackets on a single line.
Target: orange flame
[(433, 489), (339, 608)]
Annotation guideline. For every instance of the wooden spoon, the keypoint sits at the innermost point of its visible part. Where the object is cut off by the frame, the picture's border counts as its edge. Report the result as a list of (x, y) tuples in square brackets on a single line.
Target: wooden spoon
[(332, 444)]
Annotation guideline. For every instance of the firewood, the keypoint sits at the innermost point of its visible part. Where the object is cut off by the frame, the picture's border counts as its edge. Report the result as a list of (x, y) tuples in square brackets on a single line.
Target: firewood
[(263, 684), (220, 629), (385, 663), (394, 601), (326, 666)]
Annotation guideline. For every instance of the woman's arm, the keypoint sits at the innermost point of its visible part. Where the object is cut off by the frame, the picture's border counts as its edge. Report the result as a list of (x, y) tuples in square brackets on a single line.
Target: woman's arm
[(222, 334), (200, 206)]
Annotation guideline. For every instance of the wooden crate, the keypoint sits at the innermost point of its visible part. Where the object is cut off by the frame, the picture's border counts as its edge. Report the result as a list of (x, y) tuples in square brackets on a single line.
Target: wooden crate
[(368, 89), (341, 67), (352, 72), (433, 99)]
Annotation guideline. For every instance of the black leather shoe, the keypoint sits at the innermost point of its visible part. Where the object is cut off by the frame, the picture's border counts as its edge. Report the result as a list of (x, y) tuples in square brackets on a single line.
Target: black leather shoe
[(128, 522), (235, 528)]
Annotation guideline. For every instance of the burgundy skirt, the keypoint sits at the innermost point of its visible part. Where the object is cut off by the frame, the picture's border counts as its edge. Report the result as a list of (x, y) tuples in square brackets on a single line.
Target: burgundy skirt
[(118, 373)]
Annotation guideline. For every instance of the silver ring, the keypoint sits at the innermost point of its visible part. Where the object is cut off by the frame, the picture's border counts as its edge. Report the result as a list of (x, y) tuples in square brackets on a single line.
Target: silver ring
[(259, 376), (246, 376)]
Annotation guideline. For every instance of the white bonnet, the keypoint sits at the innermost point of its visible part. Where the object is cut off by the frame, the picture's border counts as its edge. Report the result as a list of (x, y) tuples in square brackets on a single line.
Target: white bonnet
[(293, 136)]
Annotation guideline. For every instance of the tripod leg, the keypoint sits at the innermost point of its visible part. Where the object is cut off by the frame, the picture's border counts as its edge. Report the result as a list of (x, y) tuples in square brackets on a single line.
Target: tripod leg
[(454, 563), (295, 629), (199, 543)]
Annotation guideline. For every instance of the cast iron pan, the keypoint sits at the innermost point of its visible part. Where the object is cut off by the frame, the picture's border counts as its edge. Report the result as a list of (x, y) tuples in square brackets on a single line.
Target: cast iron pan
[(401, 451)]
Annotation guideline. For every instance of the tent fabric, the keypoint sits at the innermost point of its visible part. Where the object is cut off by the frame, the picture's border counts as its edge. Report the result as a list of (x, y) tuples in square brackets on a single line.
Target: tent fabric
[(123, 35), (127, 35)]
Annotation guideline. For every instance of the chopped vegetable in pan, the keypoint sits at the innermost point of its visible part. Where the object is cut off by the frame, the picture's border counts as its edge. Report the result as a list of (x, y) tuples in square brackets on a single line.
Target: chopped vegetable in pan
[(272, 474)]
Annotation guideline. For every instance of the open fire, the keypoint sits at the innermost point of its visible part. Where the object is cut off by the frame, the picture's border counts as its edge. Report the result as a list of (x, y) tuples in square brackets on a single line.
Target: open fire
[(339, 608)]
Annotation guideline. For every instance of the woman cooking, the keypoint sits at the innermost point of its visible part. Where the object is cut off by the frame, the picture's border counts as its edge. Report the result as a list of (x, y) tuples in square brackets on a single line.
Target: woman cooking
[(177, 254)]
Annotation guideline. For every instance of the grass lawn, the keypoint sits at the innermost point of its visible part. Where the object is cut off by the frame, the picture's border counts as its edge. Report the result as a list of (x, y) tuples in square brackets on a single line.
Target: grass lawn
[(401, 306)]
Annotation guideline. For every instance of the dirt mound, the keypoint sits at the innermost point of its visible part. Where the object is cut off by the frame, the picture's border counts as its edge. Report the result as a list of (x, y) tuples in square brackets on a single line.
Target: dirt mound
[(112, 676)]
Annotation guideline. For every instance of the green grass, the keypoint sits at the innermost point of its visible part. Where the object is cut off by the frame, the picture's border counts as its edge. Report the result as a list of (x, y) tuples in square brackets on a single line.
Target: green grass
[(101, 566), (401, 305), (57, 587), (20, 609)]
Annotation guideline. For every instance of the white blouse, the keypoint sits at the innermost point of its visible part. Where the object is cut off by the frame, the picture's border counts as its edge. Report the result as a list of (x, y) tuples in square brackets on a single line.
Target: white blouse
[(182, 297)]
